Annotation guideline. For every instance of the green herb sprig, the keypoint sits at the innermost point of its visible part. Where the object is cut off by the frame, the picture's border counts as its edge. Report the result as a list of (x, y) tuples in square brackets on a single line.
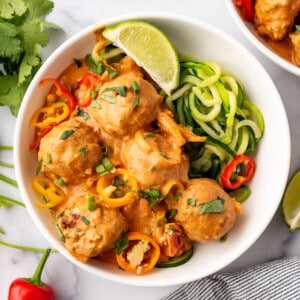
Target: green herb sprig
[(22, 37)]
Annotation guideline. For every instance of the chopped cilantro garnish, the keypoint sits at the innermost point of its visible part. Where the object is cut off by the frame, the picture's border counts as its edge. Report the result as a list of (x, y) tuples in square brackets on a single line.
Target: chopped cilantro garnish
[(60, 182), (214, 206), (66, 134), (136, 102), (149, 135), (77, 62), (108, 99), (120, 90), (92, 204), (135, 87), (191, 201), (39, 166), (121, 243), (81, 113), (85, 220), (153, 196), (83, 149)]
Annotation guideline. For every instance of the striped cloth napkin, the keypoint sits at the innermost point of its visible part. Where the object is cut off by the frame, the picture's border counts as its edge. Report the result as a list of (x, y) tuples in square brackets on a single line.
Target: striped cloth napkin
[(276, 280)]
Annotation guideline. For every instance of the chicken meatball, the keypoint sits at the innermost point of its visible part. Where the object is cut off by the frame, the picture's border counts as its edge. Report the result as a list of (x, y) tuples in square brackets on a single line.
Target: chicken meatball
[(154, 159), (122, 109), (88, 233), (70, 151), (205, 211), (152, 220), (275, 18), (295, 42)]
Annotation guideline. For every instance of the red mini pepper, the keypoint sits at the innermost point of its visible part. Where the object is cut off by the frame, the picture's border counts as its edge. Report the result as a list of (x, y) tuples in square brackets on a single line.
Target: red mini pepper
[(238, 172), (85, 87), (247, 9), (32, 288), (61, 91)]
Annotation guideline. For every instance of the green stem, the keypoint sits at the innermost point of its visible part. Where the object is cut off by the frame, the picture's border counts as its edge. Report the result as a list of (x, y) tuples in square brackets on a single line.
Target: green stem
[(3, 164), (24, 248), (36, 278), (8, 180), (6, 147), (4, 198)]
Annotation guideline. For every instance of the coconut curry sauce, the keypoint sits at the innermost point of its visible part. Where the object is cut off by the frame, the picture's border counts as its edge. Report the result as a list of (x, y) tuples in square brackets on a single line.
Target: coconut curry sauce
[(113, 171), (276, 22)]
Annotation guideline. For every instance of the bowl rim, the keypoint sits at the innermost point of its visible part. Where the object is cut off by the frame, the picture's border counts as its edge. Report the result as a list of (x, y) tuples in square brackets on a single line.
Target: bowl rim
[(17, 153), (271, 55)]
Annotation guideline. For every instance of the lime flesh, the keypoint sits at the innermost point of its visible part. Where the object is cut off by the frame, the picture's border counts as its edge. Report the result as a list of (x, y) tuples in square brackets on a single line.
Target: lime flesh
[(150, 48), (291, 202)]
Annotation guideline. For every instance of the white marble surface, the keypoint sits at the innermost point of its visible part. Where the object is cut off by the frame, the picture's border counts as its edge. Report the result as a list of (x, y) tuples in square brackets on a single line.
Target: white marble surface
[(71, 282)]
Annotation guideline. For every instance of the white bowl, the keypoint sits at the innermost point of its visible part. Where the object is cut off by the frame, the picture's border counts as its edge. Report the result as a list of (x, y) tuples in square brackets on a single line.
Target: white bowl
[(257, 41), (203, 42)]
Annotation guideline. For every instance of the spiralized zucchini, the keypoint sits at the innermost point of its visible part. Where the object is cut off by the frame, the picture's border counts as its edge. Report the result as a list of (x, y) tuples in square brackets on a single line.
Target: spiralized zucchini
[(213, 103)]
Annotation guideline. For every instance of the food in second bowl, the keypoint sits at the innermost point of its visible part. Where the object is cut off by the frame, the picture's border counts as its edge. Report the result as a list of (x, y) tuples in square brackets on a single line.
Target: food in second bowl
[(277, 22)]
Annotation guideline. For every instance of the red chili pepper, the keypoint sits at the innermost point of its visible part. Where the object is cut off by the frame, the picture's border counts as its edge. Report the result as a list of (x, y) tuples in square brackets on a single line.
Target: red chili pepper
[(247, 10), (62, 91), (238, 172), (32, 288), (84, 88)]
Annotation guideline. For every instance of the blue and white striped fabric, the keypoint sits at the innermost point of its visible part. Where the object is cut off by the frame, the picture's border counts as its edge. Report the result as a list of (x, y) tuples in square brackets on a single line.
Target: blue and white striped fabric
[(276, 280)]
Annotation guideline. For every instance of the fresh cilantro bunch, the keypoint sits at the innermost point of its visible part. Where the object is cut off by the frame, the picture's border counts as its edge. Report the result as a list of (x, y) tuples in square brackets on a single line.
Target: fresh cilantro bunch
[(22, 37)]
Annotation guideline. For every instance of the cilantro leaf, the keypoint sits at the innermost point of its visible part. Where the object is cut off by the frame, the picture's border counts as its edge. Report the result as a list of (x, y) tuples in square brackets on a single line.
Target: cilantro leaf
[(214, 206), (22, 38), (11, 93), (10, 44), (11, 8), (32, 35), (28, 63), (39, 8)]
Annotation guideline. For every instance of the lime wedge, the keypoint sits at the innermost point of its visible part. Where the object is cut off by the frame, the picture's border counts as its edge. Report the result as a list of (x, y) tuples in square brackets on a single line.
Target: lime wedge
[(150, 48), (291, 202)]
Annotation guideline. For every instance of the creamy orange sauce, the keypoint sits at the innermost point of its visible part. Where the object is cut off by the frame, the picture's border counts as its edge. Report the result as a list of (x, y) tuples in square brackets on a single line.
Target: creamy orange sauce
[(283, 48), (142, 141)]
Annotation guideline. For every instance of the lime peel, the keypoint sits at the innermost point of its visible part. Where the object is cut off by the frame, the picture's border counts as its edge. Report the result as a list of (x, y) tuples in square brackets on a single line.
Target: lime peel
[(150, 48), (291, 202)]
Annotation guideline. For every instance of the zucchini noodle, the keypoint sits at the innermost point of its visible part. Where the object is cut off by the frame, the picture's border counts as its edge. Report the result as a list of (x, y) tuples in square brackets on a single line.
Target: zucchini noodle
[(213, 103)]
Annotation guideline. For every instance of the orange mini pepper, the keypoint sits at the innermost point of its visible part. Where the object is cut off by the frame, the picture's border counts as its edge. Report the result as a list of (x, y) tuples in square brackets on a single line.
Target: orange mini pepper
[(49, 191), (141, 255), (117, 188)]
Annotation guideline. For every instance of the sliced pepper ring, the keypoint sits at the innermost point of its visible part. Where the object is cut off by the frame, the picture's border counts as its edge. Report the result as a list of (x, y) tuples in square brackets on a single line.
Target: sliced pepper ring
[(61, 92), (142, 254), (47, 189), (85, 86), (238, 172), (172, 188), (52, 114), (117, 188)]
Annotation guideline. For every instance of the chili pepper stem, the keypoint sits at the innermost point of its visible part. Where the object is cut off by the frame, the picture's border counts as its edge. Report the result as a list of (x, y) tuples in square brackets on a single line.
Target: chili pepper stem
[(36, 278), (6, 147), (8, 180), (7, 199), (24, 248), (6, 165)]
